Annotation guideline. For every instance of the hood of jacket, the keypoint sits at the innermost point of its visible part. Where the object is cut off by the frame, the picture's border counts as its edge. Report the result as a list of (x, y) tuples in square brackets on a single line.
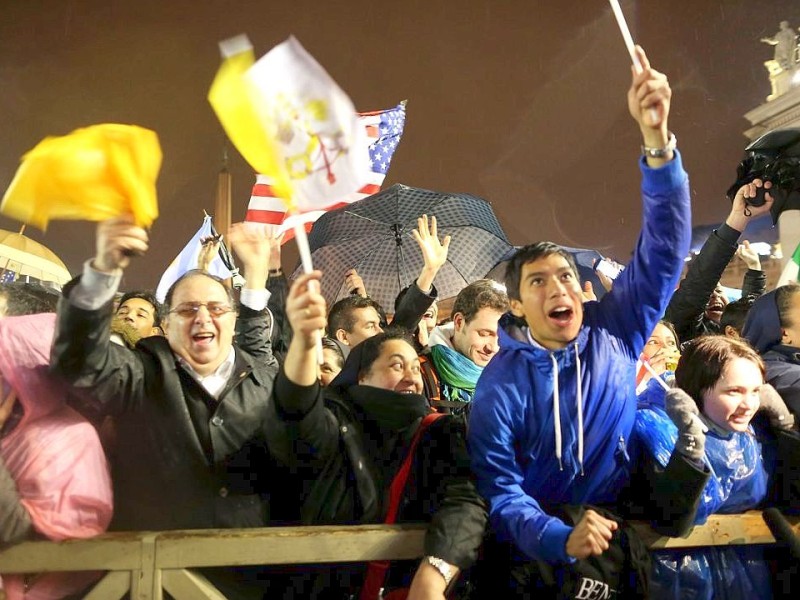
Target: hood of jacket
[(763, 325)]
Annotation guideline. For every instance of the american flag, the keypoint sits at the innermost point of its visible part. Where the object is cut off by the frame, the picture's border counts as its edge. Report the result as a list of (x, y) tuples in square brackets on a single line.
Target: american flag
[(8, 276), (384, 129)]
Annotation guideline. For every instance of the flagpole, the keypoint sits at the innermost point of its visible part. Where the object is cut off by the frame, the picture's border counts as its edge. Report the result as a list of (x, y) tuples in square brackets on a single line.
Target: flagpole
[(222, 204), (628, 39), (301, 238)]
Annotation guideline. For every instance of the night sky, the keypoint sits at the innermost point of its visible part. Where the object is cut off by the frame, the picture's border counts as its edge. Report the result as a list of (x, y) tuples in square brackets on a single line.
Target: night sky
[(520, 102)]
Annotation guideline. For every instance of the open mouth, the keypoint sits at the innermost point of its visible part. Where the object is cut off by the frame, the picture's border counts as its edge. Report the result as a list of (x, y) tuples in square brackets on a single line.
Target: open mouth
[(561, 315), (203, 338), (741, 419)]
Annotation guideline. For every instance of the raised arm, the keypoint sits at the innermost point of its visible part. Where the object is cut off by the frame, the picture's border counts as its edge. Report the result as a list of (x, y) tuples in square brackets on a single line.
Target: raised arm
[(82, 351), (254, 326), (422, 294), (687, 305), (641, 292), (302, 429)]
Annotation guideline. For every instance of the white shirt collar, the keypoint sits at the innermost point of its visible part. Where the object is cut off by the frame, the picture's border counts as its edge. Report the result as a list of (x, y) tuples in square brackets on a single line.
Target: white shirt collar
[(214, 382)]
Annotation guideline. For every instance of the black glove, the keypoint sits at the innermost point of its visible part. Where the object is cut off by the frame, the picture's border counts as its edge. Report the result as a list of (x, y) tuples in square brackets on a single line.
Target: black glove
[(682, 409), (779, 415)]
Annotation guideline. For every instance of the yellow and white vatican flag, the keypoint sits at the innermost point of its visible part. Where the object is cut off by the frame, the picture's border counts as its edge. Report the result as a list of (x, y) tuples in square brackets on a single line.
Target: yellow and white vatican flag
[(291, 122)]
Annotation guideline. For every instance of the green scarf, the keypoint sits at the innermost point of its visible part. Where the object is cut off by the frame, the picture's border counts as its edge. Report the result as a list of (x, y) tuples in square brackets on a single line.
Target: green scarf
[(458, 374)]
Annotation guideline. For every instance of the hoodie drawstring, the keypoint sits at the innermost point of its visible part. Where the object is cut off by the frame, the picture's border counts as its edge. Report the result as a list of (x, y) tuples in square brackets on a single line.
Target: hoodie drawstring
[(580, 408), (557, 411)]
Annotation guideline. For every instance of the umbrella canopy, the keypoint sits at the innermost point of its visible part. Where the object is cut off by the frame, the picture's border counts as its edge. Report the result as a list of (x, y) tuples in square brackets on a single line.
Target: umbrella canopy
[(374, 237), (23, 256)]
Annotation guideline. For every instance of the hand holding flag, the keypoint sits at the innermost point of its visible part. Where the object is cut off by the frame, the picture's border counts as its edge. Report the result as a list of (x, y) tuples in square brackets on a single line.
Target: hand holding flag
[(308, 130), (654, 115)]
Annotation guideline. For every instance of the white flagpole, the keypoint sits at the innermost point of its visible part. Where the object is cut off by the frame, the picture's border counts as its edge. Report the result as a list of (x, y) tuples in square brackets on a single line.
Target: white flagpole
[(626, 34), (305, 259), (628, 38)]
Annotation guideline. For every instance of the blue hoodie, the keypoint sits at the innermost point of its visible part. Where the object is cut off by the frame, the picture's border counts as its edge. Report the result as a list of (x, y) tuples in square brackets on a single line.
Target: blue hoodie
[(514, 434)]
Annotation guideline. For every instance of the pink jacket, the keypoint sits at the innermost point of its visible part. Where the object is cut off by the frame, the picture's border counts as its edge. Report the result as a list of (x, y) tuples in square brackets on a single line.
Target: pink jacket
[(53, 454)]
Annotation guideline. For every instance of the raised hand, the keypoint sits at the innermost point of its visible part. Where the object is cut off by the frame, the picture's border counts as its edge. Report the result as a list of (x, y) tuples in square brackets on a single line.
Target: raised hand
[(354, 284), (742, 212), (251, 244), (771, 404), (588, 292), (209, 248), (682, 409), (434, 251), (117, 240), (305, 311), (748, 256)]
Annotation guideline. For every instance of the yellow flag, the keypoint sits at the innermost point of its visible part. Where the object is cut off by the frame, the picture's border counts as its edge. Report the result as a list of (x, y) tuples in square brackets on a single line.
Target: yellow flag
[(91, 174), (242, 112)]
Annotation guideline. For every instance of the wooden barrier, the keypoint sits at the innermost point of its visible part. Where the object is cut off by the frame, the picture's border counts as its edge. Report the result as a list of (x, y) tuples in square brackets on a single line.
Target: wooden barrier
[(147, 563)]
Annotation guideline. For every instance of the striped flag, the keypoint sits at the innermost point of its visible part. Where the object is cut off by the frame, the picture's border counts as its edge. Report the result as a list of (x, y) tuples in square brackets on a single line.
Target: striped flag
[(384, 129)]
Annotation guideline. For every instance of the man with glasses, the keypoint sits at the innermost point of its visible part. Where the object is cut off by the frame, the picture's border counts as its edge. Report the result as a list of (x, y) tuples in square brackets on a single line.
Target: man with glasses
[(190, 408)]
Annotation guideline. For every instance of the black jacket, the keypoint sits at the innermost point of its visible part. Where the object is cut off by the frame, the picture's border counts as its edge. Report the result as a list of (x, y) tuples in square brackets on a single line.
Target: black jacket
[(346, 447), (184, 460), (686, 309)]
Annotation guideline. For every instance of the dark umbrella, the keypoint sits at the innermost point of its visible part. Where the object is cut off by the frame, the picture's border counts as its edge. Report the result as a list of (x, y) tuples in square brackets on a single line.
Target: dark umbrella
[(374, 237), (775, 157)]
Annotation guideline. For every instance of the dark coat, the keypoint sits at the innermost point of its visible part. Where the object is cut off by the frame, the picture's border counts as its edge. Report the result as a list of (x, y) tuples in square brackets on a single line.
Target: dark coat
[(184, 460), (346, 447), (686, 310)]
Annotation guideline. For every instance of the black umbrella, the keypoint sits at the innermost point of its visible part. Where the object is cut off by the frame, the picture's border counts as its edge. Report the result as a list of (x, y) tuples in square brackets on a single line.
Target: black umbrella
[(775, 157), (374, 237)]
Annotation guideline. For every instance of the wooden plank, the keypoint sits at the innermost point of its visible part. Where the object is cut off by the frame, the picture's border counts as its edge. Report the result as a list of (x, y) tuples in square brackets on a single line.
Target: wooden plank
[(188, 585), (719, 530), (119, 552), (289, 545), (111, 587), (146, 581)]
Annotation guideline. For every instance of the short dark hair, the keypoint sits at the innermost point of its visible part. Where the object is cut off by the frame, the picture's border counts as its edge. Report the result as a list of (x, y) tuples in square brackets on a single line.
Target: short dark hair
[(24, 298), (783, 300), (704, 359), (196, 273), (329, 344), (528, 254), (371, 347), (341, 314), (483, 293), (148, 297), (735, 313)]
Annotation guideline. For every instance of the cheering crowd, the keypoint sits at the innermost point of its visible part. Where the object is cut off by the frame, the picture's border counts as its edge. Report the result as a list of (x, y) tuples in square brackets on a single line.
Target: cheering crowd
[(524, 431)]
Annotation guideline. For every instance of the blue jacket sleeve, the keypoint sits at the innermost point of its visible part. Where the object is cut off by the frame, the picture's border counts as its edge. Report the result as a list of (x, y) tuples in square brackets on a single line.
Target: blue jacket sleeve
[(642, 291), (514, 514)]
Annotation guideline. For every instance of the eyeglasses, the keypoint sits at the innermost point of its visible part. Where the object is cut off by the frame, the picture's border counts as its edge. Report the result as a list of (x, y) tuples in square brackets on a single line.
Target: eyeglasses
[(189, 309)]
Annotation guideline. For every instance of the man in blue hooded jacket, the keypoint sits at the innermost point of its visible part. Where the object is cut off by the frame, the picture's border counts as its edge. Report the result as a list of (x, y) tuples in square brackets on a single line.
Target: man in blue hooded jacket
[(554, 410)]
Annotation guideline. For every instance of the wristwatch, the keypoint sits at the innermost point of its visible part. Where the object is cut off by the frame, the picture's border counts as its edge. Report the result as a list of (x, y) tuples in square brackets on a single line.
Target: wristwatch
[(445, 569), (661, 152)]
